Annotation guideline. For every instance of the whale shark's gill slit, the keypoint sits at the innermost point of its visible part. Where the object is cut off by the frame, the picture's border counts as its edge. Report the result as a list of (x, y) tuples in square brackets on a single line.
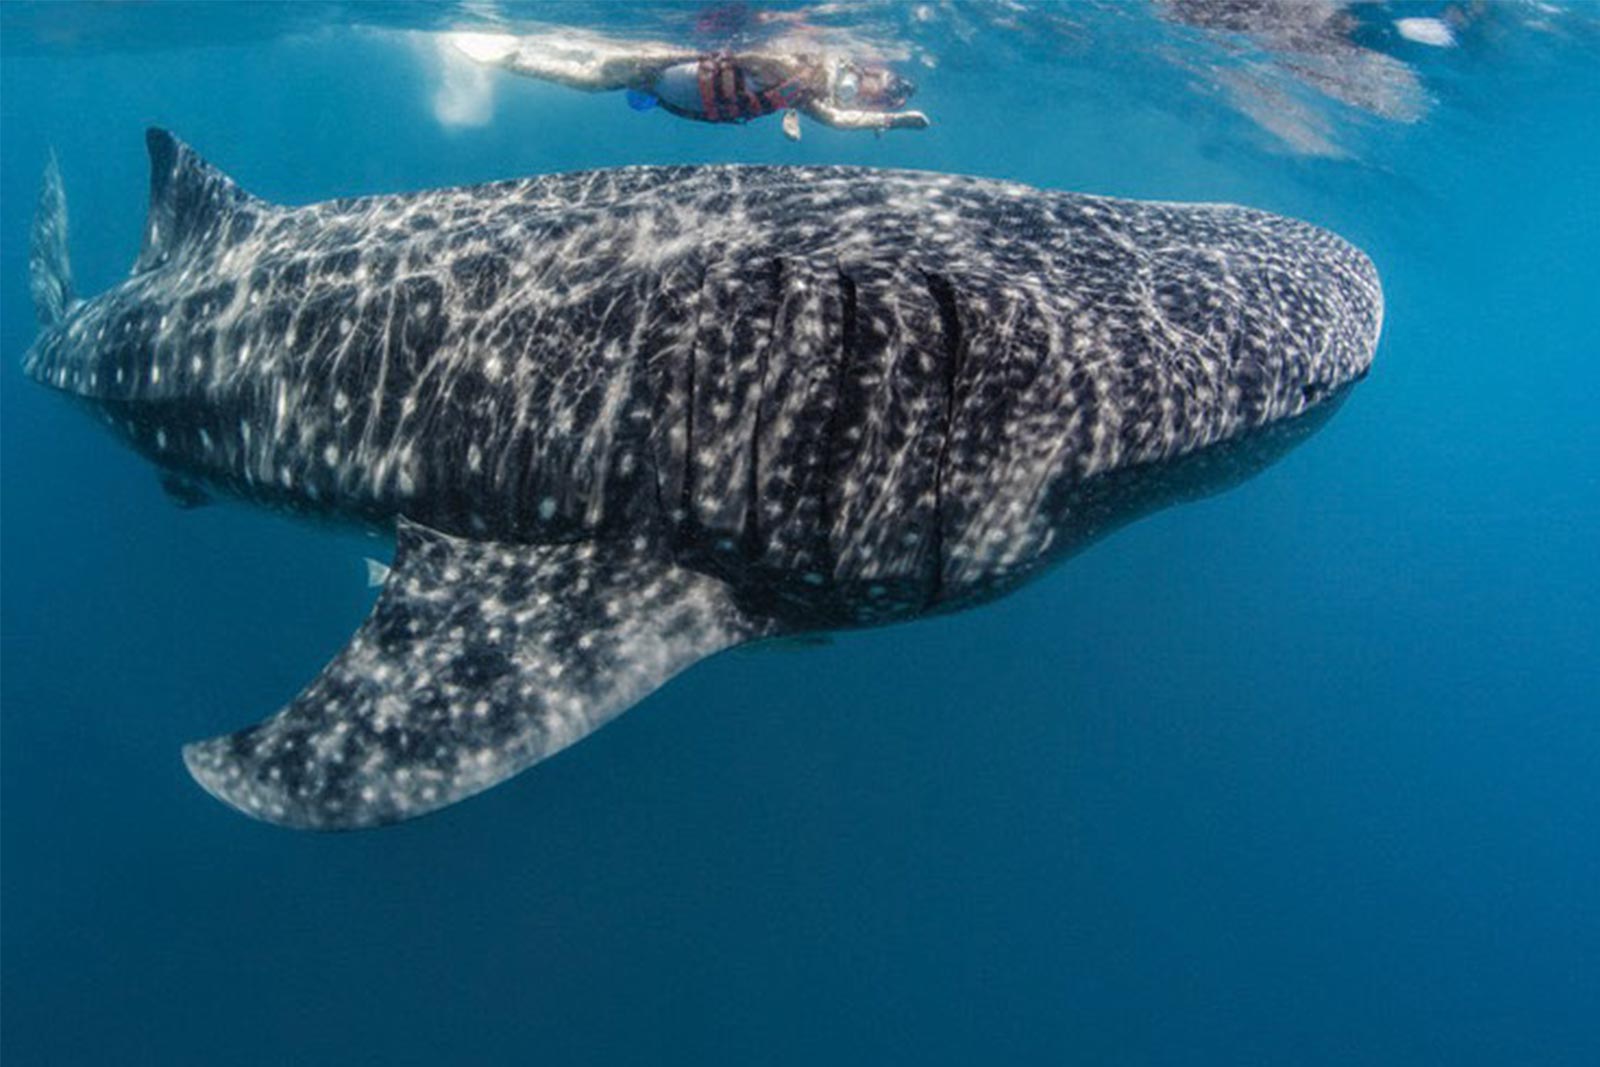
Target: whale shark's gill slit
[(691, 356), (849, 353), (752, 502), (653, 457), (666, 378), (944, 298)]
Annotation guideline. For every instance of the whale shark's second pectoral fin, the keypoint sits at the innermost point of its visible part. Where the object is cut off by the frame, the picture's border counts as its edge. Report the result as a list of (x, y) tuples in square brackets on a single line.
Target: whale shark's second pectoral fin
[(478, 660), (184, 491)]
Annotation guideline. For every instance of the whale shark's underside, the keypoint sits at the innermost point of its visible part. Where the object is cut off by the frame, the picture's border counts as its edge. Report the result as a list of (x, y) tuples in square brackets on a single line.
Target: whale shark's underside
[(622, 420)]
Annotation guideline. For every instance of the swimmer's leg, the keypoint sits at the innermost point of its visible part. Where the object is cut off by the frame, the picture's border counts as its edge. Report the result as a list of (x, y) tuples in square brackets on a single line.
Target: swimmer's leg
[(640, 65), (592, 66)]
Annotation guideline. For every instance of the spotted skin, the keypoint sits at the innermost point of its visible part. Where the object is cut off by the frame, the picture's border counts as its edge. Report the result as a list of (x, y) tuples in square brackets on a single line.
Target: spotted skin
[(751, 400), (480, 659), (49, 272)]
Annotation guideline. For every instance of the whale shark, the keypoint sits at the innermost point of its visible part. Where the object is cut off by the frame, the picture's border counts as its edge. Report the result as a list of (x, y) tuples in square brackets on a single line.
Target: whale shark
[(619, 421)]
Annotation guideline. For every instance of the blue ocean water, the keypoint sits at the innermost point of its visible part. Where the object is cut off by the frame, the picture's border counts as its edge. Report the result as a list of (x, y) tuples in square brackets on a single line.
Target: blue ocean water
[(1303, 773)]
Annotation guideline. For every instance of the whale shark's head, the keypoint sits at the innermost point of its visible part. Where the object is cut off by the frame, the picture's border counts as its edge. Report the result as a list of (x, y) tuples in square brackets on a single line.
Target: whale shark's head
[(1251, 338), (1167, 352), (1315, 316)]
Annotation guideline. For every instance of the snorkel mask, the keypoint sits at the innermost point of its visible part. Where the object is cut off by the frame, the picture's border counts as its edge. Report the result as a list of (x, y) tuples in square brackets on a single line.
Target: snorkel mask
[(872, 88)]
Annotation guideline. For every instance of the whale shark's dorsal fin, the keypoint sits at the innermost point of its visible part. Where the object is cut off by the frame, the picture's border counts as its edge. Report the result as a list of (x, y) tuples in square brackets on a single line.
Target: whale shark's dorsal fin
[(193, 205), (478, 660)]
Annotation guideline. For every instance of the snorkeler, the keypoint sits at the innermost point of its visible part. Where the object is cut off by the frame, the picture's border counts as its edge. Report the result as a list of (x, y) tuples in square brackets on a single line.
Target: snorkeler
[(712, 86)]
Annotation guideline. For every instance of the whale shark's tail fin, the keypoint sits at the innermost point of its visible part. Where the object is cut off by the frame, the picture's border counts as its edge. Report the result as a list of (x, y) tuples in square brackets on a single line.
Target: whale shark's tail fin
[(194, 207), (478, 660), (49, 268)]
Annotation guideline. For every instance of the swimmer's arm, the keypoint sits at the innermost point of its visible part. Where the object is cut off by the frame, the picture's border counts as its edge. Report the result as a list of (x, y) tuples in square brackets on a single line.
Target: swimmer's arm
[(842, 119)]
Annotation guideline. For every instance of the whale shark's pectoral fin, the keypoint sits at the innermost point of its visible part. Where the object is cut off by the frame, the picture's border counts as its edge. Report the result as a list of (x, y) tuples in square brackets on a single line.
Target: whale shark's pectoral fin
[(185, 492), (478, 660)]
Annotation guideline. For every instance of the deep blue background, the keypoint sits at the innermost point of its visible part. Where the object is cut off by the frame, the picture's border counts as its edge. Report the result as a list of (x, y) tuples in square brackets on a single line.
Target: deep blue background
[(1305, 773)]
